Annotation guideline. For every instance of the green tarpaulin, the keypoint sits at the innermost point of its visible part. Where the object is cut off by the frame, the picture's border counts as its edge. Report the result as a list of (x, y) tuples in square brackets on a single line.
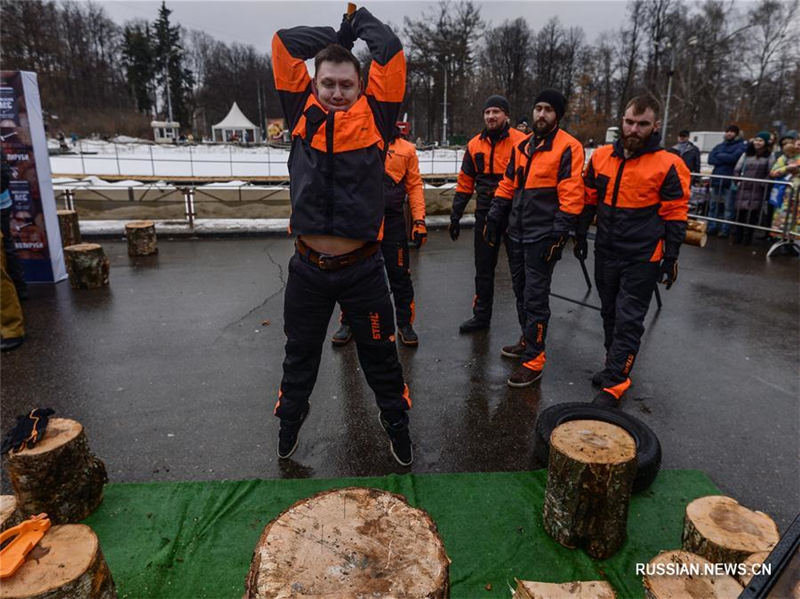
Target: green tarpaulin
[(196, 539)]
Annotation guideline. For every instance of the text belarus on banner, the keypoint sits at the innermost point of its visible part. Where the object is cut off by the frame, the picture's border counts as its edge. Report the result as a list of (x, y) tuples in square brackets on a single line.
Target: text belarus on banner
[(34, 222)]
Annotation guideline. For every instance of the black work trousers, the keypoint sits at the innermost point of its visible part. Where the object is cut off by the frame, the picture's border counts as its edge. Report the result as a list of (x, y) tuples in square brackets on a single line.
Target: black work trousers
[(485, 264), (530, 278), (360, 289), (625, 288)]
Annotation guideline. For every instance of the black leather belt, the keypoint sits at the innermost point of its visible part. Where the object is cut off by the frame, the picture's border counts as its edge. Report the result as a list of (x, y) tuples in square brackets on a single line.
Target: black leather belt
[(331, 262)]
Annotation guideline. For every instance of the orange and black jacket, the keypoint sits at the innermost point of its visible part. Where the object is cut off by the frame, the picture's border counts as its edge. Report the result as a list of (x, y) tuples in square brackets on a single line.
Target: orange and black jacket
[(542, 186), (336, 159), (400, 179), (641, 202), (484, 163)]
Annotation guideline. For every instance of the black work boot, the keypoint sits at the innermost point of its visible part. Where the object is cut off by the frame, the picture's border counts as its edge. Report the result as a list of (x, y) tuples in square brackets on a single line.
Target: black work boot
[(342, 336), (407, 335), (514, 351), (473, 324), (604, 399), (287, 435), (399, 440), (523, 377), (599, 379)]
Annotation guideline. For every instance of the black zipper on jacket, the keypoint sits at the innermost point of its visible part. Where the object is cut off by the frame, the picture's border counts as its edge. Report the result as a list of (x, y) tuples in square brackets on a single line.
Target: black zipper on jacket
[(329, 120), (613, 216)]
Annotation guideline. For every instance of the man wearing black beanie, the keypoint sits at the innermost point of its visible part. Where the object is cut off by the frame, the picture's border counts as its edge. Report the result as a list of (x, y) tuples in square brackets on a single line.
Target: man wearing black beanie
[(484, 163), (541, 196)]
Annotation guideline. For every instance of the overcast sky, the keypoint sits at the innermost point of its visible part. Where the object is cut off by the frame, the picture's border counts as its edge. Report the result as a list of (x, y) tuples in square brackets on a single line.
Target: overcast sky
[(256, 21)]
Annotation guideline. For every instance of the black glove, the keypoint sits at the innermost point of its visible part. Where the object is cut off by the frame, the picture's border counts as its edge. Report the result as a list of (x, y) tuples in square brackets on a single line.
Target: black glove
[(581, 249), (454, 228), (28, 430), (491, 232), (669, 271), (346, 37), (554, 247)]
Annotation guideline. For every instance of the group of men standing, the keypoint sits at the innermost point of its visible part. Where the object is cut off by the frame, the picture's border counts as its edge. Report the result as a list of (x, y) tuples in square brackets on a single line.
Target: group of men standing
[(350, 171)]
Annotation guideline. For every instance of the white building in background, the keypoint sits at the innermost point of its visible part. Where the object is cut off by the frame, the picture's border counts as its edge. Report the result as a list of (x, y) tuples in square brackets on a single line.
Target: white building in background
[(165, 132), (235, 127)]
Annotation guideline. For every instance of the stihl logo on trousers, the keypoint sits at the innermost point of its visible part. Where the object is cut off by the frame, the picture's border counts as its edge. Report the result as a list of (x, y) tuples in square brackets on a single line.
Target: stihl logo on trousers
[(375, 325)]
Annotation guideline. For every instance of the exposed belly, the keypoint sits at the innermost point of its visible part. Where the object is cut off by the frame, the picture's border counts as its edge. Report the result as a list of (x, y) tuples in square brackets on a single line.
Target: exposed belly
[(331, 244)]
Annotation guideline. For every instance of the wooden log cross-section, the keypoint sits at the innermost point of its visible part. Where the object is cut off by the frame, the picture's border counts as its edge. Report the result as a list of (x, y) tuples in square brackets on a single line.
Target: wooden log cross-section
[(696, 238), (752, 565), (591, 589), (141, 236), (66, 564), (351, 542), (722, 531), (589, 480), (681, 575), (10, 516), (58, 476), (69, 227), (87, 265)]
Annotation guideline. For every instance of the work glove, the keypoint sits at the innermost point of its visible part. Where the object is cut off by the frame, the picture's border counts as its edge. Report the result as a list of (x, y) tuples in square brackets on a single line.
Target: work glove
[(669, 272), (346, 37), (28, 430), (491, 232), (554, 247), (454, 228), (419, 233), (581, 249)]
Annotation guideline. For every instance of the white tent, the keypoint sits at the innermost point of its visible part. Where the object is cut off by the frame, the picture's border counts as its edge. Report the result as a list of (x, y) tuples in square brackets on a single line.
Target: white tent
[(235, 127)]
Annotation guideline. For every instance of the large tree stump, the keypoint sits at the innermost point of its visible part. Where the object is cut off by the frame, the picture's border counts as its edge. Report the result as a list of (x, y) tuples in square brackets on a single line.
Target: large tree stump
[(58, 476), (351, 542), (592, 589), (752, 565), (589, 480), (722, 531), (69, 227), (681, 575), (87, 265), (141, 236), (696, 238), (66, 564), (697, 225), (9, 514)]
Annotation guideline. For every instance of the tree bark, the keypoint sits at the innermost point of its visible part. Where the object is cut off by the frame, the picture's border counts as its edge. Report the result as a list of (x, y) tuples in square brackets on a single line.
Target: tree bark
[(680, 583), (592, 589), (69, 227), (10, 516), (87, 266), (58, 476), (66, 564), (351, 542), (589, 480), (141, 238)]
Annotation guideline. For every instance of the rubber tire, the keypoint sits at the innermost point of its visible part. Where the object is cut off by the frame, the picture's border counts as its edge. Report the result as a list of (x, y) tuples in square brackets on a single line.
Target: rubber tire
[(648, 448)]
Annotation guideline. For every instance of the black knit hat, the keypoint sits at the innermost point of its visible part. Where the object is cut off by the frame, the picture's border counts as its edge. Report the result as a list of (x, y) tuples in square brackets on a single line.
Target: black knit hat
[(555, 98), (733, 128), (497, 102)]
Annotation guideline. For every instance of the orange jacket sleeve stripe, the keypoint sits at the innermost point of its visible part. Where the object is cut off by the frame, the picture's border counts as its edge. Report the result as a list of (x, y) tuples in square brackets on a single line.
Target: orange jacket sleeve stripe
[(290, 72), (570, 180), (414, 186)]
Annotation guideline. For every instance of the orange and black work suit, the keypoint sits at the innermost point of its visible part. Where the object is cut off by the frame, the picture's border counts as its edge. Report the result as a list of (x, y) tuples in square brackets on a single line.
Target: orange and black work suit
[(336, 179), (542, 194), (484, 163), (641, 204)]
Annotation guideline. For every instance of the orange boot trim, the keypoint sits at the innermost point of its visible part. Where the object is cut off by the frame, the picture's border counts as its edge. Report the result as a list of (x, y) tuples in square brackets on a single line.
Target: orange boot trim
[(407, 396), (618, 390), (537, 363)]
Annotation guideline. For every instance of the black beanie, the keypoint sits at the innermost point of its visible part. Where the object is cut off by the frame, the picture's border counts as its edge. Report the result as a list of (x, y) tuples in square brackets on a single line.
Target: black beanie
[(497, 102), (555, 98)]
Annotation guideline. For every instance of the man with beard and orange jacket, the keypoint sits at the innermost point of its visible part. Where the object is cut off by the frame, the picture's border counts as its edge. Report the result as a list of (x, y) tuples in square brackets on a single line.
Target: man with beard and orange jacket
[(482, 168), (640, 194), (541, 197), (401, 180), (340, 132)]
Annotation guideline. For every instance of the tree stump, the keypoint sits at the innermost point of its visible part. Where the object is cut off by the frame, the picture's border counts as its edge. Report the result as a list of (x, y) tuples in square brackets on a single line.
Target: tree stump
[(680, 575), (87, 265), (9, 514), (58, 476), (696, 238), (351, 542), (592, 589), (589, 480), (751, 564), (141, 236), (722, 531), (69, 227), (66, 564), (697, 225)]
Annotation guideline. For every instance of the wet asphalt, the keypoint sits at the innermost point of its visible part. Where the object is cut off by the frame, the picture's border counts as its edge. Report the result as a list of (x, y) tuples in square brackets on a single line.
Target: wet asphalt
[(174, 369)]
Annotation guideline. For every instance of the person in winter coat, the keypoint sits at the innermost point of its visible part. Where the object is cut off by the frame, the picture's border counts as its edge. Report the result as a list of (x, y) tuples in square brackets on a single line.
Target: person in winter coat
[(689, 152), (723, 201), (787, 168), (755, 163)]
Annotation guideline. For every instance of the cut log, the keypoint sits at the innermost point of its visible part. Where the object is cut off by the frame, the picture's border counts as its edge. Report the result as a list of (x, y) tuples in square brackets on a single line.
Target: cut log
[(58, 476), (696, 238), (722, 531), (351, 542), (66, 564), (591, 589), (9, 514), (681, 575), (69, 227), (697, 225), (141, 236), (87, 265), (752, 565), (589, 480)]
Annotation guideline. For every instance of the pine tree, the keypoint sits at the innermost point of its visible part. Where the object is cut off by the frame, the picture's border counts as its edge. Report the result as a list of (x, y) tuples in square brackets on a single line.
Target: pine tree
[(139, 62), (169, 67)]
